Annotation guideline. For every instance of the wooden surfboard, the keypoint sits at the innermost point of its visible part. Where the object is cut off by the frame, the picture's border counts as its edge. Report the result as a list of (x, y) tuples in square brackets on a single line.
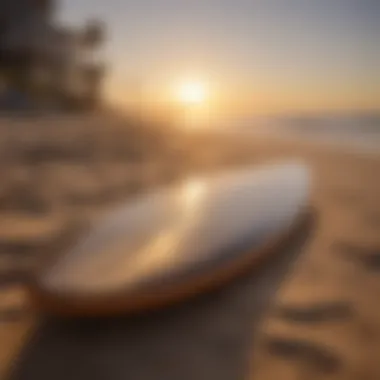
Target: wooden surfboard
[(175, 242)]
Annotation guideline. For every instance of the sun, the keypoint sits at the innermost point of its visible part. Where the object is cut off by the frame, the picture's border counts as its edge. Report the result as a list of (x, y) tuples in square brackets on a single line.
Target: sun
[(192, 92)]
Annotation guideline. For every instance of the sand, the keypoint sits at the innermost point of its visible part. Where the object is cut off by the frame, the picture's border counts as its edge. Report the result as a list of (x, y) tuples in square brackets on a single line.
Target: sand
[(324, 321)]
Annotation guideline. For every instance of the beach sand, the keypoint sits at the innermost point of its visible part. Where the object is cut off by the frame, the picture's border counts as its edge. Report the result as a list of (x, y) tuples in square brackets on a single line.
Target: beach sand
[(324, 321)]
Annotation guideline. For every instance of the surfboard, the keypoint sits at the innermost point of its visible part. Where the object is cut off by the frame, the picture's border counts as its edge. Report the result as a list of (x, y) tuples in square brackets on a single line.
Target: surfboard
[(175, 242)]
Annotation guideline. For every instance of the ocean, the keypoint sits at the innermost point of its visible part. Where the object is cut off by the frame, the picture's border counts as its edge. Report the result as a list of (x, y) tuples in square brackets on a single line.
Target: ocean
[(352, 131)]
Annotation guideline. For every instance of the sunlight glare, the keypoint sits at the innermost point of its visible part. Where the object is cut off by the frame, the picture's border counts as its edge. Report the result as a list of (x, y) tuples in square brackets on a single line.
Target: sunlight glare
[(194, 92)]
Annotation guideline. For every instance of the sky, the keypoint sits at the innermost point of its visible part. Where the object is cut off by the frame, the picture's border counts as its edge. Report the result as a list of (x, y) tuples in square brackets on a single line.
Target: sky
[(257, 56)]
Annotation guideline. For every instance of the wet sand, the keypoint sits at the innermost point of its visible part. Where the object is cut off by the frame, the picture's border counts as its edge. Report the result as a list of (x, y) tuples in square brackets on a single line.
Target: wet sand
[(323, 322)]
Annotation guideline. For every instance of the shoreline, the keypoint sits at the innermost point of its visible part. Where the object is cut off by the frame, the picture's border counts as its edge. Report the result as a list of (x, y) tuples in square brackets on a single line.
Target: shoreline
[(348, 143)]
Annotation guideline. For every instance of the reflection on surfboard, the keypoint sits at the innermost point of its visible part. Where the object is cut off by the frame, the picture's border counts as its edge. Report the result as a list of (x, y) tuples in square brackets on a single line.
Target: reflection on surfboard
[(176, 241)]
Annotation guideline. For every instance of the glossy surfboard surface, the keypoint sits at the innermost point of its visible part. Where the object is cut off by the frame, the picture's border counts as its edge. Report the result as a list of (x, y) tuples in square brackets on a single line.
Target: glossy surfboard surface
[(175, 242)]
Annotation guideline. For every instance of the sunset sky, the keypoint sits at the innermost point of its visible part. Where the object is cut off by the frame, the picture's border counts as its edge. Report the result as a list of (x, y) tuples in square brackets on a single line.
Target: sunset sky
[(256, 56)]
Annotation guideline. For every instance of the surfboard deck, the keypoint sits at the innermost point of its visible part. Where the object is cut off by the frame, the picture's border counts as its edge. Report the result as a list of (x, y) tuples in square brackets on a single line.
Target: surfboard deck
[(176, 242)]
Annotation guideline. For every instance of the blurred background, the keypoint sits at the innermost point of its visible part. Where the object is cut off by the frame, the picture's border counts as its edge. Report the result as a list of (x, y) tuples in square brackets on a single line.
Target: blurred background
[(102, 100)]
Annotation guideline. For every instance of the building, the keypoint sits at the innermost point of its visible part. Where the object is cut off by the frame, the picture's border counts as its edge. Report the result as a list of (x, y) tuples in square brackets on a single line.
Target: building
[(44, 65)]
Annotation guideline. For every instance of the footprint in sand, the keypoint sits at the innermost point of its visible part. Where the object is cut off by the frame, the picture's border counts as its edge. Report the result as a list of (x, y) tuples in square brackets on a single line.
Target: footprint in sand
[(328, 311), (13, 303), (321, 358), (12, 315), (368, 257), (12, 277)]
